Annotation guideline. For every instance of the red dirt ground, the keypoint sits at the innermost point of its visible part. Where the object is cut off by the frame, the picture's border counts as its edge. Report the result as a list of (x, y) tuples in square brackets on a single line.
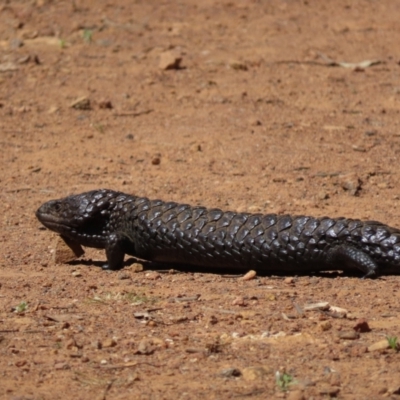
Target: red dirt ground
[(259, 116)]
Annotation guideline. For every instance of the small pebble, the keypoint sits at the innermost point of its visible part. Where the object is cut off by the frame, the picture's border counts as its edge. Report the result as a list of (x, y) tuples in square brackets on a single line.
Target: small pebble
[(362, 326), (381, 345), (145, 347), (323, 195), (81, 103), (24, 59), (239, 301), (61, 366), (325, 326), (136, 267), (254, 373), (338, 311), (20, 363), (238, 65), (394, 389), (255, 122), (349, 335), (295, 395), (109, 343), (8, 66), (153, 276), (105, 104), (124, 275), (335, 379), (179, 319), (213, 320), (16, 43), (249, 275), (196, 147), (65, 325), (351, 183), (361, 149), (323, 306), (230, 372), (170, 60), (330, 391)]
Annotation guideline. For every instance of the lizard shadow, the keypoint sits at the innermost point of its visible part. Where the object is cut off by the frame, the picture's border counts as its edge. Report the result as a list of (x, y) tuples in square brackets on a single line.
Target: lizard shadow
[(162, 267)]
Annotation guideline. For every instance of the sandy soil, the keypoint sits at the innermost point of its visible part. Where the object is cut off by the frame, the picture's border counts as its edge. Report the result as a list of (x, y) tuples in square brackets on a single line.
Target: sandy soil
[(258, 115)]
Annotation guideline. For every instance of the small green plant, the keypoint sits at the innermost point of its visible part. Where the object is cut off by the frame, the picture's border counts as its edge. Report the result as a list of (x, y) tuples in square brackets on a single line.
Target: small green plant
[(99, 127), (393, 343), (137, 299), (21, 307), (63, 43), (283, 380), (87, 35)]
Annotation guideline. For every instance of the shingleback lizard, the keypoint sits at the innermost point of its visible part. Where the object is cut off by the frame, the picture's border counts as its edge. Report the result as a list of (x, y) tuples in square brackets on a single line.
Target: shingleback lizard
[(173, 233)]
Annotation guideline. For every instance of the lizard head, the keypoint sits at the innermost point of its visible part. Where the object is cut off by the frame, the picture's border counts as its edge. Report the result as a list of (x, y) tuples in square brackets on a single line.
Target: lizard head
[(85, 218)]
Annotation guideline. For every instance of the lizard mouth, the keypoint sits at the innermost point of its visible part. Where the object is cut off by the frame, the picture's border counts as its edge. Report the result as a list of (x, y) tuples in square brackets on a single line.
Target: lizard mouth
[(86, 233), (56, 226), (53, 223)]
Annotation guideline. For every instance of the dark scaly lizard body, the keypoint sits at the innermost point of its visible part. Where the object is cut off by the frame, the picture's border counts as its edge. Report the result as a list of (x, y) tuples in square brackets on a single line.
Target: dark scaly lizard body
[(174, 233)]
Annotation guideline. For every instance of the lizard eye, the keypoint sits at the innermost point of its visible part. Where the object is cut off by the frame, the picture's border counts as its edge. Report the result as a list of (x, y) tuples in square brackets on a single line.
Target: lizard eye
[(57, 207)]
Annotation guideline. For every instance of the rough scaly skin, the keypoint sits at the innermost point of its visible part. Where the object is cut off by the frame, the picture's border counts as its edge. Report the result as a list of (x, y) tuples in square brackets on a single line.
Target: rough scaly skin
[(174, 233)]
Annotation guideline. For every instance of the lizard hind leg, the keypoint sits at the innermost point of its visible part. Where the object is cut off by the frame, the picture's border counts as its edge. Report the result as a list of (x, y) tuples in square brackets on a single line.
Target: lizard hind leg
[(347, 256)]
